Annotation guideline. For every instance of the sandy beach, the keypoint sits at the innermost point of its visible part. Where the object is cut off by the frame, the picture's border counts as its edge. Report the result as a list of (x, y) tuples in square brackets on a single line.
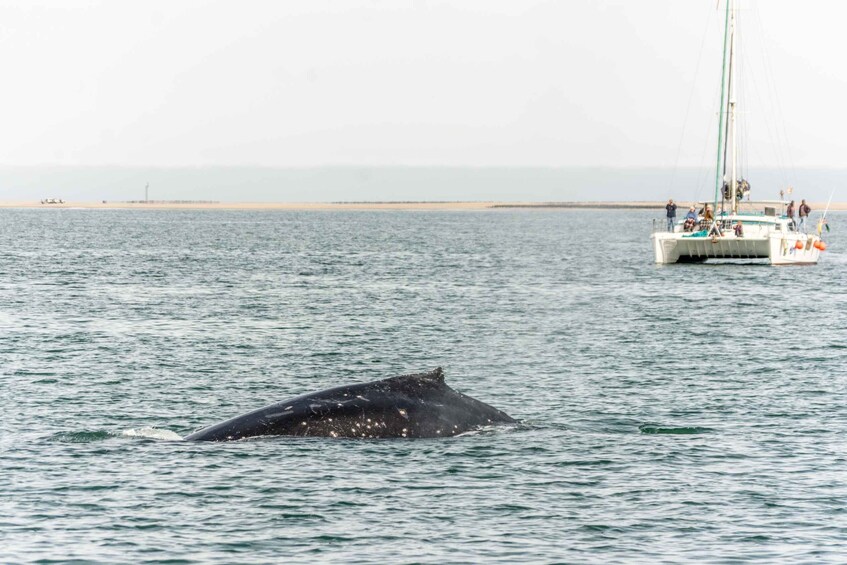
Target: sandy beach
[(304, 206)]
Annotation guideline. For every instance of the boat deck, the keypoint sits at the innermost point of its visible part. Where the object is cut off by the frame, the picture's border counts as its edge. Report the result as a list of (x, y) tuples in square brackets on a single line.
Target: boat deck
[(764, 237)]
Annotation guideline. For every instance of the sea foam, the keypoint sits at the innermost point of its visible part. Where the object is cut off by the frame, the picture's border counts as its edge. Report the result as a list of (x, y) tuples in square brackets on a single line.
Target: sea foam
[(152, 433)]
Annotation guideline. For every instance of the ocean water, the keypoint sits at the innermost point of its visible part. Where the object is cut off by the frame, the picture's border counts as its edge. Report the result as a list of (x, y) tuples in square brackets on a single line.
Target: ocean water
[(680, 413)]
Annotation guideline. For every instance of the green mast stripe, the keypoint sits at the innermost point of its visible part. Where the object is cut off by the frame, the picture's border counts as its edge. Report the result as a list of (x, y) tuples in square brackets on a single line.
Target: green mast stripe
[(720, 121)]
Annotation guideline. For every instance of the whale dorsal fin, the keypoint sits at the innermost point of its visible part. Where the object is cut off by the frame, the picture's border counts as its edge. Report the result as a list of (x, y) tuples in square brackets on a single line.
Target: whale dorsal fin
[(436, 374), (434, 377)]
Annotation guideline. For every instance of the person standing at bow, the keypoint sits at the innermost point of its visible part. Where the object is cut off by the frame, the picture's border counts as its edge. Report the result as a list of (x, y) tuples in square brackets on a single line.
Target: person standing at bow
[(803, 212), (671, 208), (790, 213)]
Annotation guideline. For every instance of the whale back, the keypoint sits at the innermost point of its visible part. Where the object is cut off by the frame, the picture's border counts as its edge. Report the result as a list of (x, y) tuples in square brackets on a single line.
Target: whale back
[(415, 405)]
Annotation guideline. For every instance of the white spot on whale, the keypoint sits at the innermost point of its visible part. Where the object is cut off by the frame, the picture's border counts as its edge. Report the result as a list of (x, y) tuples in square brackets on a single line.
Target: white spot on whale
[(278, 414), (403, 413)]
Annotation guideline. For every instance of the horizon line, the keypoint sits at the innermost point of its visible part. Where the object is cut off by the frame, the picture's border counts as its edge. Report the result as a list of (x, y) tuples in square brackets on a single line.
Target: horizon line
[(394, 166)]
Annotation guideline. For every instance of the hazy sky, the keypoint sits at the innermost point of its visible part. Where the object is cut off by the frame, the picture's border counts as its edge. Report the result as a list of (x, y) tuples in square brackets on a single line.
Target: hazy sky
[(305, 83)]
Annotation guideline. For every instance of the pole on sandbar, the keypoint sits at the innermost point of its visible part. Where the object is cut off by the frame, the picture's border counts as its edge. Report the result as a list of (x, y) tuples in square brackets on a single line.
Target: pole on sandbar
[(146, 193)]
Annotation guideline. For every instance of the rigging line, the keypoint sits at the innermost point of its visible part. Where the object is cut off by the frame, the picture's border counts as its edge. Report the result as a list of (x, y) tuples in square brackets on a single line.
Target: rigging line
[(773, 135), (729, 86), (745, 113), (690, 99), (743, 124), (703, 164), (823, 218), (780, 113), (771, 83), (778, 147), (759, 99)]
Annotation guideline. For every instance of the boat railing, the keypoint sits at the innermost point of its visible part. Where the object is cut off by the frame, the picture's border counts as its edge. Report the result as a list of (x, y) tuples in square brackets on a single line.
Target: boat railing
[(660, 225)]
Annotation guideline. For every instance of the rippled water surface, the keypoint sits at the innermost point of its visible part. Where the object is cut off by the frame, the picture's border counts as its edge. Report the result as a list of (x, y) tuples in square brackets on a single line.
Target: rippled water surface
[(679, 413)]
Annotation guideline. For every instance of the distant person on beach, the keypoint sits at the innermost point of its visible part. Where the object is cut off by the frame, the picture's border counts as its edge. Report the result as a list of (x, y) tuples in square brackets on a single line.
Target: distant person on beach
[(790, 213), (671, 208), (803, 212)]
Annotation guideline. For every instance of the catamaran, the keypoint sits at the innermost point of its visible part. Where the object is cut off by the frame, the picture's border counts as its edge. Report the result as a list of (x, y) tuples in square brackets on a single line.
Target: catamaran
[(733, 226)]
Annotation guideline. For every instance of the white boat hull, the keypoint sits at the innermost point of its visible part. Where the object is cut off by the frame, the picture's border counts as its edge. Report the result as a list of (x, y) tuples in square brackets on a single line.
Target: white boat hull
[(778, 248)]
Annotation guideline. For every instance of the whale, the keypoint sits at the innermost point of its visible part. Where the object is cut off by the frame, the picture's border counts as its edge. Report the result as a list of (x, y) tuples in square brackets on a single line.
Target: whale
[(409, 406)]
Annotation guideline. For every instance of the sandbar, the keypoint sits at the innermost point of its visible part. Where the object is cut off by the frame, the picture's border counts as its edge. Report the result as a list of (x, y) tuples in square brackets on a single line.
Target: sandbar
[(373, 206)]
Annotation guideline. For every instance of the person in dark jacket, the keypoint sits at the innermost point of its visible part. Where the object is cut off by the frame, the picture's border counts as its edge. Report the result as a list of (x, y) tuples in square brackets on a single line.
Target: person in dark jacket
[(671, 208), (790, 213), (803, 212)]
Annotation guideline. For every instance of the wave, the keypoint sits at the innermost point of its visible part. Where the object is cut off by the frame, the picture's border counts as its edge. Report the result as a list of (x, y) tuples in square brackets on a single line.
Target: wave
[(90, 436), (676, 430), (83, 436), (152, 433)]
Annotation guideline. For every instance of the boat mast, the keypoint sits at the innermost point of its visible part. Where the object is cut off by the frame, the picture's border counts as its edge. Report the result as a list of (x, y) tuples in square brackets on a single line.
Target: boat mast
[(719, 177), (732, 107)]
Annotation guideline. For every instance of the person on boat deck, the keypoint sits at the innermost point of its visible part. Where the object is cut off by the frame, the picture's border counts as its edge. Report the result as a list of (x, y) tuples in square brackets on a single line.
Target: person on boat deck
[(803, 212), (671, 208), (692, 213), (739, 229), (790, 213), (715, 230), (690, 220), (708, 216)]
